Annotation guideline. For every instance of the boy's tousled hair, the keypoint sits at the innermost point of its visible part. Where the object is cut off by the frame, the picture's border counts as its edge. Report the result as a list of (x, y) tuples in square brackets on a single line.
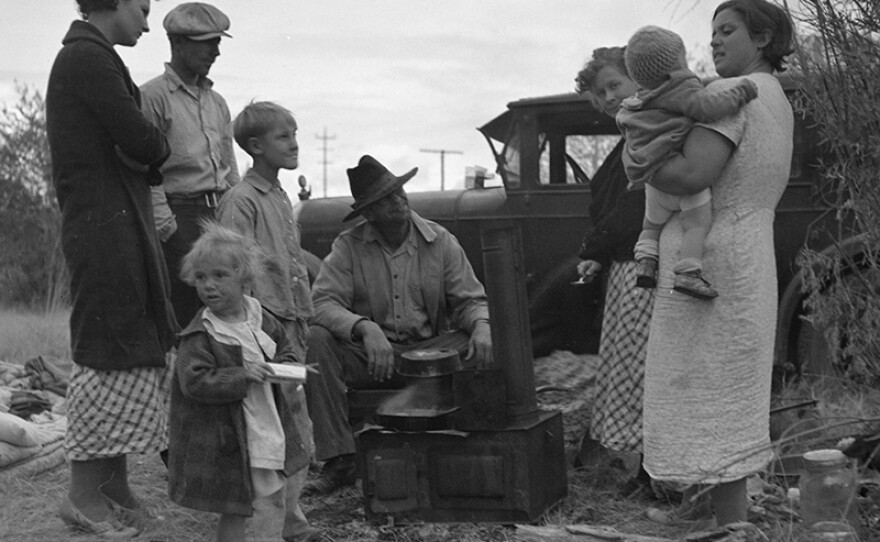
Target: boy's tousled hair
[(762, 16), (256, 119), (219, 241)]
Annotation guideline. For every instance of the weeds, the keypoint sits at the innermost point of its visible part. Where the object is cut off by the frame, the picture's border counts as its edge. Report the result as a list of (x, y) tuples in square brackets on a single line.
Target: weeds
[(839, 58)]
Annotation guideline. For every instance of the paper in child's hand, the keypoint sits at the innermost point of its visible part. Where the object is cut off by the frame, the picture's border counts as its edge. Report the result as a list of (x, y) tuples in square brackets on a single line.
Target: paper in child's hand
[(286, 372)]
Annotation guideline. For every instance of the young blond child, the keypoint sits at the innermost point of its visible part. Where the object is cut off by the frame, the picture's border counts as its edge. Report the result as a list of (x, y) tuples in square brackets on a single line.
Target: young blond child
[(233, 437), (259, 209), (654, 123)]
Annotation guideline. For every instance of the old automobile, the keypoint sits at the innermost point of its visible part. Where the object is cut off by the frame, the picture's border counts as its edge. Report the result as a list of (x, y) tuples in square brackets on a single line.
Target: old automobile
[(545, 150)]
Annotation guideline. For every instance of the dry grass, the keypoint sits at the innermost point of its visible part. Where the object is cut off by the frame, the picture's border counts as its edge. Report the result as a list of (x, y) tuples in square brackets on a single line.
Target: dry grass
[(25, 335), (843, 408), (28, 511)]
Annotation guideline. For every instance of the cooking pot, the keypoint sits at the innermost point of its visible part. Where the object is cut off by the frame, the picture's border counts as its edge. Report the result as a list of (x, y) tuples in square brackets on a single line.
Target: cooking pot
[(429, 363)]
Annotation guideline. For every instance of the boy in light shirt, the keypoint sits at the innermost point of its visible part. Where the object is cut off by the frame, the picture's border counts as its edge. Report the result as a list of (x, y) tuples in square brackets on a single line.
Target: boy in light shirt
[(259, 208)]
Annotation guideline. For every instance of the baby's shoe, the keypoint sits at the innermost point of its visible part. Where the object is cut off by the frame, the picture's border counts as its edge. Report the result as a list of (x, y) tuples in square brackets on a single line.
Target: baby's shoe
[(646, 273), (693, 284)]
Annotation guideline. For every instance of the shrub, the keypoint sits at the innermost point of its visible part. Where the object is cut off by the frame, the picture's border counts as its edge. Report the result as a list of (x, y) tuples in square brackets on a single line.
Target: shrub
[(32, 271), (840, 61)]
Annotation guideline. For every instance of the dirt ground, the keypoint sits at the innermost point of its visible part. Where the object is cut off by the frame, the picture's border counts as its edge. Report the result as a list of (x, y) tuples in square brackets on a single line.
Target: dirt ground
[(28, 513), (28, 506)]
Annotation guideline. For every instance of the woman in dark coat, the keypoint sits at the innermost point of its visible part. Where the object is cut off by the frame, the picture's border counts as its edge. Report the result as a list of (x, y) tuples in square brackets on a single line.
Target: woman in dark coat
[(105, 155)]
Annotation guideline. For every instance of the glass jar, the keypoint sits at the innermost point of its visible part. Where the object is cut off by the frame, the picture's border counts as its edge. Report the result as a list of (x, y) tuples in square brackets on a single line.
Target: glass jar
[(828, 492)]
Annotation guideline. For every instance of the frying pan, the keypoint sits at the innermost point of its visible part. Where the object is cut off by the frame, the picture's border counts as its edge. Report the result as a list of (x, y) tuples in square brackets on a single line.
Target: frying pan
[(417, 419)]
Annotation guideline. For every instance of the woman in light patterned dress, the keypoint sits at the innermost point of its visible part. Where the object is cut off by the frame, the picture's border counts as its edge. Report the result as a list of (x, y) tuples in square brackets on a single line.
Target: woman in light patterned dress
[(708, 371), (616, 216)]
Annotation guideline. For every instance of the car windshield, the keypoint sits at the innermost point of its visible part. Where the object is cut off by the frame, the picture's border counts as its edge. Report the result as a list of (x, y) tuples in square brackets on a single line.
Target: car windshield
[(562, 139)]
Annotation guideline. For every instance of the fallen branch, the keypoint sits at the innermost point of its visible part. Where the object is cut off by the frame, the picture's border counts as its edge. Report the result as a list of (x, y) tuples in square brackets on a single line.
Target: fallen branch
[(580, 533)]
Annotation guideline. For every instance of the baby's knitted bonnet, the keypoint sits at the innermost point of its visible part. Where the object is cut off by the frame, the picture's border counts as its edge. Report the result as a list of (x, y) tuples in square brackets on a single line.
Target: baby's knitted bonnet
[(653, 52)]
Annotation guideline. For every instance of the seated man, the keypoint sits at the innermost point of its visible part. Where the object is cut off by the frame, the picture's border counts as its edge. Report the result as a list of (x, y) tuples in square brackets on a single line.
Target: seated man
[(389, 284)]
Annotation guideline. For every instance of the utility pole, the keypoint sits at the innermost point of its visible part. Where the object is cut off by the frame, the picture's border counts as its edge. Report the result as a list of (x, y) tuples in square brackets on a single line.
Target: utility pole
[(324, 139), (442, 153)]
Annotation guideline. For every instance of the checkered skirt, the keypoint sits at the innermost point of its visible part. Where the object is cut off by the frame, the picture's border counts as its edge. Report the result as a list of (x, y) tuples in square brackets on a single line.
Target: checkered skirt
[(112, 413), (617, 408)]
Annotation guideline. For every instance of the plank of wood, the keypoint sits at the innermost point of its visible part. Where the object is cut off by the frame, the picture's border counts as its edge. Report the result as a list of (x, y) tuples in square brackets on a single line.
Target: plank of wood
[(580, 533)]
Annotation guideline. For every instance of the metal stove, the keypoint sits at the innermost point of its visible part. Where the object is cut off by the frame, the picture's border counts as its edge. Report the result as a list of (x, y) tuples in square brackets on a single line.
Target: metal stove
[(485, 453)]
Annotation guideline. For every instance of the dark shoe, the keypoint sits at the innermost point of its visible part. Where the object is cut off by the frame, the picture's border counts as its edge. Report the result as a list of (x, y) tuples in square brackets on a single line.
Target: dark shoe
[(311, 534), (337, 473), (693, 284), (646, 273), (108, 528)]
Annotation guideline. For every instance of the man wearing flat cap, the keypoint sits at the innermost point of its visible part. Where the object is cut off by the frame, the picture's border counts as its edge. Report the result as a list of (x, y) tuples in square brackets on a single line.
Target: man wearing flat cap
[(394, 282), (197, 123)]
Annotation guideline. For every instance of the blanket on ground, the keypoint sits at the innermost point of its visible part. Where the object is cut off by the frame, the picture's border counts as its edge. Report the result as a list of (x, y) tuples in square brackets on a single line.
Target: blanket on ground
[(32, 421)]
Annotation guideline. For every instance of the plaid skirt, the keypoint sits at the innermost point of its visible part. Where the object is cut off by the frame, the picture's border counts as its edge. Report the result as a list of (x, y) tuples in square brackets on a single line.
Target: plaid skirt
[(617, 408), (113, 413)]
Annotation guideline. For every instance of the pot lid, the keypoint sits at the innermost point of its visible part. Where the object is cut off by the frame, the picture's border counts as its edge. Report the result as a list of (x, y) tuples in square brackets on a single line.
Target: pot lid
[(429, 362)]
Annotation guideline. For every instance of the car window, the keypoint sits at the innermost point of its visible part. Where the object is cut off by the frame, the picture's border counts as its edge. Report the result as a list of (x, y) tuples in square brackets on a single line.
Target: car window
[(508, 161), (575, 160)]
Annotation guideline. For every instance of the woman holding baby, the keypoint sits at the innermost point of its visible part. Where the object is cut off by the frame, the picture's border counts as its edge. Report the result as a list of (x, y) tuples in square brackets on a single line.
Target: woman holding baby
[(708, 366)]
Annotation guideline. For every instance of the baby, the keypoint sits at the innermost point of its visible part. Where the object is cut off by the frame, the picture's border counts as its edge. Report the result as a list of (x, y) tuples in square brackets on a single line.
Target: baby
[(655, 123)]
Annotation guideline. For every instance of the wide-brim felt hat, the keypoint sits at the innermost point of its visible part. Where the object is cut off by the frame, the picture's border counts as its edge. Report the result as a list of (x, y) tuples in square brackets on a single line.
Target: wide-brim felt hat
[(370, 181)]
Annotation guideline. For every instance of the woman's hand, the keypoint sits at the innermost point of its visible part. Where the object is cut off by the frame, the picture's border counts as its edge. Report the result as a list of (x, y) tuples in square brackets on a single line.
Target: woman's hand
[(588, 269), (703, 157)]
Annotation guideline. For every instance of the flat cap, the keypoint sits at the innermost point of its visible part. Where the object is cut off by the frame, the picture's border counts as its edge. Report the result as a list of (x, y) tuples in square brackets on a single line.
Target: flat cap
[(197, 21)]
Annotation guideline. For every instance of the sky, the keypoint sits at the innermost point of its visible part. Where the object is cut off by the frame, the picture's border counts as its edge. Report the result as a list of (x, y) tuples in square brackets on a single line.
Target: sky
[(389, 78)]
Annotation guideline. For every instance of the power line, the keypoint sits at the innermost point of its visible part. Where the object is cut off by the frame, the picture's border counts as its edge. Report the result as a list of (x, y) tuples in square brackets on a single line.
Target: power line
[(442, 153), (324, 139)]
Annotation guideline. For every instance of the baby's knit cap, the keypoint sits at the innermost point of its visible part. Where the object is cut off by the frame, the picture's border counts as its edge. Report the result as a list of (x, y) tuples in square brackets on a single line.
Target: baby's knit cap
[(653, 52)]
